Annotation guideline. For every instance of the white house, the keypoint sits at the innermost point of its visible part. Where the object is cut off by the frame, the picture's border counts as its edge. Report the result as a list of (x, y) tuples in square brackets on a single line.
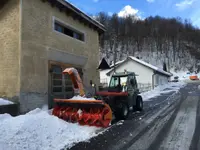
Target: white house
[(147, 73)]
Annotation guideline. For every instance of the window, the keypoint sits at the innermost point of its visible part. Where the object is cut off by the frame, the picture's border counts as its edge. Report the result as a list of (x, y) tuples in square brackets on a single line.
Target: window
[(115, 81), (134, 85), (56, 79), (61, 85), (68, 31)]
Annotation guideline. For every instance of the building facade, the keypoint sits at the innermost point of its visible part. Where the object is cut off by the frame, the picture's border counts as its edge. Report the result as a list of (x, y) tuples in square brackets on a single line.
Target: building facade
[(39, 40)]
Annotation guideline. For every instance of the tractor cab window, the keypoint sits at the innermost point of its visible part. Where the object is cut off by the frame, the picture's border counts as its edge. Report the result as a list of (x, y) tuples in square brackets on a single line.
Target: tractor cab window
[(133, 81), (114, 81), (118, 82)]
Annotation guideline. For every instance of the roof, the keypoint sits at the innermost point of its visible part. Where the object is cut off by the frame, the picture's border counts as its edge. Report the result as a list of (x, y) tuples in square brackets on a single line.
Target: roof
[(117, 63), (76, 13), (143, 63), (122, 74), (103, 64)]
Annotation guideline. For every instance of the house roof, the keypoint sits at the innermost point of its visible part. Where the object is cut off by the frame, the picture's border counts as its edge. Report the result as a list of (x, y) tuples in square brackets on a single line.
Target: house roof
[(143, 63), (103, 64), (117, 63), (76, 13)]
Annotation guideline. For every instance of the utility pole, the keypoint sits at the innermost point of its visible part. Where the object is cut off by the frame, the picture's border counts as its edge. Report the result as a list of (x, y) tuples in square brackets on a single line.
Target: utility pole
[(115, 56)]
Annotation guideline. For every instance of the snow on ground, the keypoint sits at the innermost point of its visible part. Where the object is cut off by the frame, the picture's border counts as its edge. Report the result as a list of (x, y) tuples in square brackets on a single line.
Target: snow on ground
[(5, 102), (183, 75), (170, 87), (40, 130)]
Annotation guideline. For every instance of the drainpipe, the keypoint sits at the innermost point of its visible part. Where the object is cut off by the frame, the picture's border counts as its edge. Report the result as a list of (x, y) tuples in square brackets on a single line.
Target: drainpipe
[(114, 59), (115, 54)]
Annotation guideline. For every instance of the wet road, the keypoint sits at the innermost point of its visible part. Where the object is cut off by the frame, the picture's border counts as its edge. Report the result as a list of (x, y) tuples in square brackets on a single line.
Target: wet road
[(168, 122)]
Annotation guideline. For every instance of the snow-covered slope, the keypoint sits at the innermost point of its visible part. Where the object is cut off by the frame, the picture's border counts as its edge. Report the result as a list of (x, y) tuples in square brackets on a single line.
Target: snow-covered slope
[(180, 62)]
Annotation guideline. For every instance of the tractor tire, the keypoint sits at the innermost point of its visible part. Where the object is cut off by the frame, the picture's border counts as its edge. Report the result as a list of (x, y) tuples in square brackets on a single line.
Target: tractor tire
[(139, 103), (122, 112)]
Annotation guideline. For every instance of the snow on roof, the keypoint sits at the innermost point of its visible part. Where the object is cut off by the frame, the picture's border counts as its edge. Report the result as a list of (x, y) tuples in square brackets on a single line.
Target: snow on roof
[(150, 66), (117, 63), (143, 63)]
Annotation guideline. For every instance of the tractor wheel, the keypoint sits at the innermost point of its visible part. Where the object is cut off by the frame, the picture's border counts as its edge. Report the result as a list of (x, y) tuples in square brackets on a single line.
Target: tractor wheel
[(139, 103), (122, 112)]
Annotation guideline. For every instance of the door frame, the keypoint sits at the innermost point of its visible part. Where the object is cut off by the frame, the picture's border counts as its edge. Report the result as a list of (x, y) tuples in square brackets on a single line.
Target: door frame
[(63, 66)]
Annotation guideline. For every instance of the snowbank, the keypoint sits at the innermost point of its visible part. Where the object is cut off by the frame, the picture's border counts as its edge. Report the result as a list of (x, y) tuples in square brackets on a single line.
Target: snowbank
[(5, 102), (39, 130), (170, 87)]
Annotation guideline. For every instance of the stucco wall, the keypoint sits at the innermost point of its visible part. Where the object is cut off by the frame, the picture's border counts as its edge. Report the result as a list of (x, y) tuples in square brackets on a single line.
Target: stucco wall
[(145, 73), (9, 51), (41, 43), (160, 79)]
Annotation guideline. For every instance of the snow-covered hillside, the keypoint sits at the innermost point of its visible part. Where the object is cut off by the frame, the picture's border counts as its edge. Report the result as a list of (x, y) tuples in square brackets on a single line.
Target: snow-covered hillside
[(157, 59), (155, 40)]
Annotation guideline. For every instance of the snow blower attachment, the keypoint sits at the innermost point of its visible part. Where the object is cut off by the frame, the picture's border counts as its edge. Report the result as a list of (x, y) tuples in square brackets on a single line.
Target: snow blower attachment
[(85, 111)]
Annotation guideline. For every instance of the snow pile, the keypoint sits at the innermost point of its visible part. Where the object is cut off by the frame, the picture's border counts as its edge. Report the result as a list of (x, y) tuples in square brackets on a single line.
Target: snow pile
[(4, 116), (5, 102), (170, 87), (39, 130), (81, 98)]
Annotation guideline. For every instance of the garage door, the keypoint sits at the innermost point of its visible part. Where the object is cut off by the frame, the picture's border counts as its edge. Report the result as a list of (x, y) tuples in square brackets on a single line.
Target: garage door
[(60, 86)]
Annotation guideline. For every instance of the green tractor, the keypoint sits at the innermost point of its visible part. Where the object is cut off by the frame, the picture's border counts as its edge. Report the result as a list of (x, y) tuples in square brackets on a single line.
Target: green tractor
[(122, 95)]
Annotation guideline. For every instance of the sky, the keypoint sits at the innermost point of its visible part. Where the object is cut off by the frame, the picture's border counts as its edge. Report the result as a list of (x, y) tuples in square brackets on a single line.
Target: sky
[(186, 9)]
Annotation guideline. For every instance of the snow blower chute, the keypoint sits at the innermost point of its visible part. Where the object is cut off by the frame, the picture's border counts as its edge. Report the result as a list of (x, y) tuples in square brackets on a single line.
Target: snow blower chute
[(85, 111)]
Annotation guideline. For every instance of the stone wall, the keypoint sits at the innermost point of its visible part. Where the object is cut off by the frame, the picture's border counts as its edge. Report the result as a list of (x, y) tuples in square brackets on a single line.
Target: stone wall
[(9, 50)]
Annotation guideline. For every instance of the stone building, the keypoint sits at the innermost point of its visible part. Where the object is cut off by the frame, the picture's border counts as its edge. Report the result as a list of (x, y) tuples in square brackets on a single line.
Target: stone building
[(40, 38)]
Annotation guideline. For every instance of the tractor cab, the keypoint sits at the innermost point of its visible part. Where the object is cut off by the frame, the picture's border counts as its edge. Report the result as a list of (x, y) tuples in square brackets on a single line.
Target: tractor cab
[(121, 81)]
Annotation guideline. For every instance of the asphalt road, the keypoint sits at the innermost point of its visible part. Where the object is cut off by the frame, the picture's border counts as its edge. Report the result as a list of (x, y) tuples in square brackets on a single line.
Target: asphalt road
[(168, 122)]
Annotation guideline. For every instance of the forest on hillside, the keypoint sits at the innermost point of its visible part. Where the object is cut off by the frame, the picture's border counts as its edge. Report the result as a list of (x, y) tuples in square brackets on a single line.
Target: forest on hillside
[(156, 40)]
